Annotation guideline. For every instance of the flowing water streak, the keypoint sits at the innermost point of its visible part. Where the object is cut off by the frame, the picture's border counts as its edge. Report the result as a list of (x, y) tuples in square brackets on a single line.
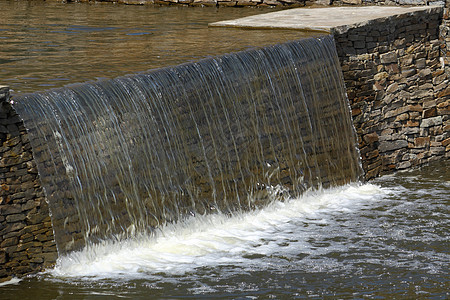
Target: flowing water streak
[(122, 157)]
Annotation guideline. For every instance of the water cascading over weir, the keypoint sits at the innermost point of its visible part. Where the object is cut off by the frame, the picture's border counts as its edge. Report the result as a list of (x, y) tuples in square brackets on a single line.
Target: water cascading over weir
[(119, 158)]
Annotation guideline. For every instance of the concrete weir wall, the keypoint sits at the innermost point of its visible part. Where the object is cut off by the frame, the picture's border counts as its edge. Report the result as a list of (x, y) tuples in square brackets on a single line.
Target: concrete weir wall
[(396, 71), (398, 88)]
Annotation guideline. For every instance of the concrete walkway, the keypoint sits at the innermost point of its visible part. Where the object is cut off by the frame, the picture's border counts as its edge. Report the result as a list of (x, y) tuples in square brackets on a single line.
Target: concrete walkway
[(319, 19)]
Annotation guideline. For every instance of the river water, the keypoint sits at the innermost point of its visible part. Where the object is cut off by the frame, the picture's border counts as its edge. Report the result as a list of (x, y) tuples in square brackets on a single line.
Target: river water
[(385, 239), (46, 44)]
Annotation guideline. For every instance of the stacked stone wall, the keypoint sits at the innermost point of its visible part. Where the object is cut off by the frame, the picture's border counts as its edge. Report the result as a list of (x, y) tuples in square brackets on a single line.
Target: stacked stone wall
[(26, 234), (398, 90)]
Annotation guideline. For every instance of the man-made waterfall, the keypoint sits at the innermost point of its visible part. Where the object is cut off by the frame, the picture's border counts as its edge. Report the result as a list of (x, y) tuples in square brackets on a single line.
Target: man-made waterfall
[(118, 158)]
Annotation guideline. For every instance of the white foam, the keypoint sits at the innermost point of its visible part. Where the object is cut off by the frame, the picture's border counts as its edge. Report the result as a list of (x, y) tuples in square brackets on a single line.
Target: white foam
[(13, 281), (208, 241)]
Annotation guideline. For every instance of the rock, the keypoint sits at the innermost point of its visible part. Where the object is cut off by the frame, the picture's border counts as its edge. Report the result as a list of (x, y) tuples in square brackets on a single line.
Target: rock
[(2, 257), (408, 72), (435, 121), (411, 130), (437, 150), (380, 76), (35, 217), (9, 209), (444, 93), (354, 2), (12, 241), (446, 142), (422, 142), (421, 63), (15, 218), (392, 88), (404, 165), (371, 138), (323, 2), (392, 145), (428, 113), (389, 58)]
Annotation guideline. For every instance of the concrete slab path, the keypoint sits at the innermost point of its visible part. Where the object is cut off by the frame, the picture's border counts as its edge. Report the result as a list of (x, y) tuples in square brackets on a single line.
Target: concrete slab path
[(319, 19)]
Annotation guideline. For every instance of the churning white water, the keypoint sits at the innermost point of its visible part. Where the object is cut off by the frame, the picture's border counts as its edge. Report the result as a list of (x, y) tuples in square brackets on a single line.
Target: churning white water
[(250, 241)]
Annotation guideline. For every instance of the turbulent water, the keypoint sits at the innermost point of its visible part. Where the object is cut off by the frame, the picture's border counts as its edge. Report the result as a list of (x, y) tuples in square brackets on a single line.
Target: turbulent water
[(247, 241), (121, 157), (384, 240)]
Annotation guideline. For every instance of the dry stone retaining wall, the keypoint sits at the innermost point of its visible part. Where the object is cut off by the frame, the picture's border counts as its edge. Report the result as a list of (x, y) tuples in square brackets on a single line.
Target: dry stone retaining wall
[(398, 90), (26, 234)]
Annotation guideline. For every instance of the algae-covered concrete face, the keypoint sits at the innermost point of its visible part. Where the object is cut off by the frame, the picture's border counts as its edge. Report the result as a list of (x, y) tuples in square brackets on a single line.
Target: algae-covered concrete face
[(26, 234), (395, 75)]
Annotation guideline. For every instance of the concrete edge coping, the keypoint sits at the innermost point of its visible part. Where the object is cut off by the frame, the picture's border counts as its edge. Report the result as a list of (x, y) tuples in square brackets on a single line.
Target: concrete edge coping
[(326, 19)]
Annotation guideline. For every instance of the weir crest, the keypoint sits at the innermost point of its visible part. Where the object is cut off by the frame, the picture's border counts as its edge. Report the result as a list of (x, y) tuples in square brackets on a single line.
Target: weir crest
[(119, 158)]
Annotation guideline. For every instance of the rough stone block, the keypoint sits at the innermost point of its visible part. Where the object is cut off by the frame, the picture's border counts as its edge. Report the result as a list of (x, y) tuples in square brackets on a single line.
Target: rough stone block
[(2, 257), (424, 72), (437, 150), (428, 113), (389, 58), (10, 209), (446, 142), (49, 257), (429, 104), (410, 130), (354, 2), (443, 109), (35, 217), (360, 45), (404, 165), (392, 88), (435, 121), (386, 146), (15, 218), (23, 269), (422, 142), (411, 123), (373, 154), (371, 138), (421, 63), (372, 173), (380, 76)]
